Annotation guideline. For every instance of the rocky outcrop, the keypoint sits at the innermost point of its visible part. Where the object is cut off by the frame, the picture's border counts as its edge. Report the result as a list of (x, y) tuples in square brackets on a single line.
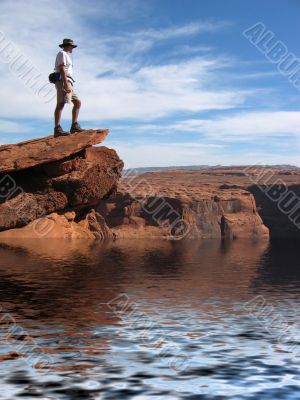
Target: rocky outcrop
[(15, 157), (42, 180)]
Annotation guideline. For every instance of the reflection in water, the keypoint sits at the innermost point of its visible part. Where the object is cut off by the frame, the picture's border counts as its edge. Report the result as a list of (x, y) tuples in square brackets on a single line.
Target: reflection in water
[(154, 319)]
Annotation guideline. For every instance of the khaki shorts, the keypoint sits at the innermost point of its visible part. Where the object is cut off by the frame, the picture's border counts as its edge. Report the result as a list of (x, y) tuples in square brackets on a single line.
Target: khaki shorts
[(62, 95)]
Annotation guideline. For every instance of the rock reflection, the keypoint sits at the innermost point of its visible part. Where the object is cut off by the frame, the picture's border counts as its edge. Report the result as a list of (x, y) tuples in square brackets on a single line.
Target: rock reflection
[(80, 276), (191, 291)]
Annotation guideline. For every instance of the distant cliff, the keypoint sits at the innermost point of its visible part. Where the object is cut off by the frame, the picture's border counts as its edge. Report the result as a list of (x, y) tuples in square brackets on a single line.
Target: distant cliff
[(168, 206)]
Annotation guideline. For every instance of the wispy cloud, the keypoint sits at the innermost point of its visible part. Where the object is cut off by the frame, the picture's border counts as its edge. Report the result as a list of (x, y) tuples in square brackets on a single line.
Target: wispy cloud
[(244, 126), (162, 154), (189, 29), (8, 126), (157, 91), (188, 50)]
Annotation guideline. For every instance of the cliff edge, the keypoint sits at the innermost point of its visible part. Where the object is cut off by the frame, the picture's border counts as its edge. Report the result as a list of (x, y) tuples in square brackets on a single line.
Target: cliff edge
[(50, 185)]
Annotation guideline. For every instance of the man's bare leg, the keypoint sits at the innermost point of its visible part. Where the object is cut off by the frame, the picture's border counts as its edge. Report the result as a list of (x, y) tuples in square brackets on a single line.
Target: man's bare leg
[(57, 113), (75, 127), (75, 110), (58, 131)]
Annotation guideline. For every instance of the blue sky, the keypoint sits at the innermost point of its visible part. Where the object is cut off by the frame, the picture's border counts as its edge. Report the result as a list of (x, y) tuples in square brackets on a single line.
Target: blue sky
[(175, 81)]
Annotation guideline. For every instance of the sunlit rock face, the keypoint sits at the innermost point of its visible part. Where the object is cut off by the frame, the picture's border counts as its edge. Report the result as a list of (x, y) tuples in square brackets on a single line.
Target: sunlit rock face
[(172, 206)]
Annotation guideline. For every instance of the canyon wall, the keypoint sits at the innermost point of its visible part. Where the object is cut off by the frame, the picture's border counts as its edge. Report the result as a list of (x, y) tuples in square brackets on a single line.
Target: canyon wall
[(143, 207)]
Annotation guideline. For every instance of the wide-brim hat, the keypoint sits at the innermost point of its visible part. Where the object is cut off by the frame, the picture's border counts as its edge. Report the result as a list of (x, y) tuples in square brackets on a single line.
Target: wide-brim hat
[(67, 42)]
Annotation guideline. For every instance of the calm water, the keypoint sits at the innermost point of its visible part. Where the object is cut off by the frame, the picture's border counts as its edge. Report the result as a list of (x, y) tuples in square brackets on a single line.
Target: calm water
[(150, 320)]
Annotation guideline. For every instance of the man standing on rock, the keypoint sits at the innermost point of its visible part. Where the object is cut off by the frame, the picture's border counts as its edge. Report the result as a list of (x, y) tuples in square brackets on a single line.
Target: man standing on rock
[(64, 86)]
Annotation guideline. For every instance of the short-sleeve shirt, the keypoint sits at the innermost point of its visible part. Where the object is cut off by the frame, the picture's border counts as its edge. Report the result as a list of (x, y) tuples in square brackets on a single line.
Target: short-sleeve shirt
[(64, 58)]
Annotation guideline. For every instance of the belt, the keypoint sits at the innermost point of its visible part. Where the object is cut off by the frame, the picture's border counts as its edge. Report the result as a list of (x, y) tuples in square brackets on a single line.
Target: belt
[(58, 77)]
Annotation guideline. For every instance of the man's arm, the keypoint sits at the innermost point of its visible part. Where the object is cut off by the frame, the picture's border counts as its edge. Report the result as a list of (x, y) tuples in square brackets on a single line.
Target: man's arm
[(64, 78)]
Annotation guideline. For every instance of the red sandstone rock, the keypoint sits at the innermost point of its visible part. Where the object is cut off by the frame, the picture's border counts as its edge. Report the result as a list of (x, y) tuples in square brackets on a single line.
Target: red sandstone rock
[(55, 226), (24, 208), (31, 153), (150, 206), (75, 182)]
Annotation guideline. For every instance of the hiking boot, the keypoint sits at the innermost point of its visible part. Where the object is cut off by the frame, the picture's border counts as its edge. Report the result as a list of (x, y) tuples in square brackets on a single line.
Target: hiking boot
[(75, 128), (58, 131)]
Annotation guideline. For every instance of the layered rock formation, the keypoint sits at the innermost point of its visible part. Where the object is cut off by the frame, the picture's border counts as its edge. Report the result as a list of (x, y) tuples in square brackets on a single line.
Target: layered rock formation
[(154, 205), (42, 180), (275, 199)]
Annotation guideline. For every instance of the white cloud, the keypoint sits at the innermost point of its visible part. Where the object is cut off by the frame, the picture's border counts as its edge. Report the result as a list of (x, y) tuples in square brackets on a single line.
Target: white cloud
[(8, 126), (158, 91), (185, 30), (163, 154), (132, 43), (189, 50), (244, 126), (183, 154)]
